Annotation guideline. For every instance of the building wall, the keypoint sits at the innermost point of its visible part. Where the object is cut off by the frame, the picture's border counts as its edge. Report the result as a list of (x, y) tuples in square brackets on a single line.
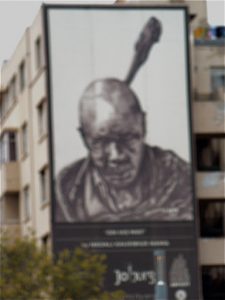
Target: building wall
[(24, 111), (41, 209)]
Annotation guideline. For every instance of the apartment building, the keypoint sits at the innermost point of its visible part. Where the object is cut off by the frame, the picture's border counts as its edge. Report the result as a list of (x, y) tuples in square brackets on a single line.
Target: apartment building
[(209, 132), (25, 201)]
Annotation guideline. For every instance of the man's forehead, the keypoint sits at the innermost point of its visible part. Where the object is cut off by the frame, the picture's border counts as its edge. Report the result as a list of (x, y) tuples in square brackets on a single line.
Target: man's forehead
[(103, 108), (114, 91), (114, 124), (104, 111), (107, 104)]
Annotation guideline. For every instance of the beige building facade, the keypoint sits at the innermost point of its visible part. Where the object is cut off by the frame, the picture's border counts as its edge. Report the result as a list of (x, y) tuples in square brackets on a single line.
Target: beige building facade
[(25, 193), (25, 199)]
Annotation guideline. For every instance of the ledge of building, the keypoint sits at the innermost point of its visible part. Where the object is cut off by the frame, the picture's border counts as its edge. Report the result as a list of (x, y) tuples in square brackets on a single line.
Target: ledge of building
[(212, 251), (217, 42)]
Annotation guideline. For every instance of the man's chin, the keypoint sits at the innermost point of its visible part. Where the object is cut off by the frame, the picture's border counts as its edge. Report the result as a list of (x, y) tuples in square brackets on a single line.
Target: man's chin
[(119, 182)]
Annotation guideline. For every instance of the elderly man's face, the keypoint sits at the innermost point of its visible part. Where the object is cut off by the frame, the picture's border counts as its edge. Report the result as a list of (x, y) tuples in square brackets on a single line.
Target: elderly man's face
[(115, 139)]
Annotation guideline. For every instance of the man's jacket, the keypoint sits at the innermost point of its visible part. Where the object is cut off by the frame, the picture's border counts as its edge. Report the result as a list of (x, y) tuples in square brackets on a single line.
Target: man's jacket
[(162, 191)]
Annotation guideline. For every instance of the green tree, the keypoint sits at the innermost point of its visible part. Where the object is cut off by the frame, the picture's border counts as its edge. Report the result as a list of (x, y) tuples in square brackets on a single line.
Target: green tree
[(24, 270), (79, 276), (29, 273)]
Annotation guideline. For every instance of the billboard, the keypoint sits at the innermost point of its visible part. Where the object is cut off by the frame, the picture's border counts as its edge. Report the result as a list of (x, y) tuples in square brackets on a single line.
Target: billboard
[(120, 144)]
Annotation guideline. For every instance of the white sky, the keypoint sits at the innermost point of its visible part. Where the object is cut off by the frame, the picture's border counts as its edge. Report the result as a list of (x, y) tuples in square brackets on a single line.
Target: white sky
[(16, 16)]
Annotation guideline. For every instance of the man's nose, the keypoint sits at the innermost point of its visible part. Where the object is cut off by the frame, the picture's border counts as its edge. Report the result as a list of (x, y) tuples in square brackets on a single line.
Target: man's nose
[(115, 153)]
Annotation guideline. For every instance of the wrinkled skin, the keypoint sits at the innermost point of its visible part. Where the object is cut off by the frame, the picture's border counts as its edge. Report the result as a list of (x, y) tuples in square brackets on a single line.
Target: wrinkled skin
[(113, 130)]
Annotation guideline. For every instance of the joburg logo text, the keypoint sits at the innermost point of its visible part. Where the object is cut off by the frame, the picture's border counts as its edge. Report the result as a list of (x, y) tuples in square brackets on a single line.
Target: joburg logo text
[(132, 276)]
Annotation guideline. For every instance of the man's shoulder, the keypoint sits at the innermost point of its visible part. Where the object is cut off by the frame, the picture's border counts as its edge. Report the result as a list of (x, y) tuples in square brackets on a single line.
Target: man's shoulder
[(165, 156), (71, 175), (71, 169), (68, 188), (170, 183)]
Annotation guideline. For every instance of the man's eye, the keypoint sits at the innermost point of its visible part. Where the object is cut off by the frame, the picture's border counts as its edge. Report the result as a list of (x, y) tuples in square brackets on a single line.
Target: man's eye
[(131, 138), (97, 144)]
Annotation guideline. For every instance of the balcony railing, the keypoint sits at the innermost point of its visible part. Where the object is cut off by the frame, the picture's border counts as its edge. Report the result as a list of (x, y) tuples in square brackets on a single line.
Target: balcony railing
[(212, 251), (216, 42), (12, 230), (209, 117), (210, 185), (10, 177)]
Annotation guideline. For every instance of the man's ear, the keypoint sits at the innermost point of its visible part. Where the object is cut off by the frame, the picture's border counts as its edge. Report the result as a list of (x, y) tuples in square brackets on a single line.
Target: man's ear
[(83, 136), (144, 123)]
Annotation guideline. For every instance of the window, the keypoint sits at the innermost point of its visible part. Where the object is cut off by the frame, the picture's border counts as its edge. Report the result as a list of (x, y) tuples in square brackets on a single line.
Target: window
[(213, 278), (1, 210), (38, 52), (218, 83), (26, 201), (43, 185), (24, 140), (12, 91), (10, 95), (45, 242), (210, 153), (8, 147), (10, 205), (4, 103), (22, 75), (12, 146), (3, 149), (212, 218), (1, 106), (42, 118)]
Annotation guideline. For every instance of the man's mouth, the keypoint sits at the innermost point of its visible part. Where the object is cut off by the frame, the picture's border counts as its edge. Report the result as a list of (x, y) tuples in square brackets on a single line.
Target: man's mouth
[(120, 174)]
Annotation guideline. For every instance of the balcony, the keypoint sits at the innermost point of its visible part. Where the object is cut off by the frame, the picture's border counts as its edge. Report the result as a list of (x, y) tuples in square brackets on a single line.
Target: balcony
[(212, 251), (10, 217), (210, 185), (209, 117), (10, 177), (12, 230), (207, 42)]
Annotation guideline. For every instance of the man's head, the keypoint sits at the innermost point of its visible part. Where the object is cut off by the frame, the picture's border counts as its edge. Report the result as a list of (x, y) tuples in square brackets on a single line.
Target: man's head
[(113, 129)]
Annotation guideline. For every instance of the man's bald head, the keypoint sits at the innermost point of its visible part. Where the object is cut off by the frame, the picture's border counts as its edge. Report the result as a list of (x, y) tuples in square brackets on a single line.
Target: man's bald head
[(113, 129), (105, 97)]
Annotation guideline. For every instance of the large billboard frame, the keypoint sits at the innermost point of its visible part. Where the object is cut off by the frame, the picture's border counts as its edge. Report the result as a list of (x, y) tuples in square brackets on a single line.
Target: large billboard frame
[(73, 228)]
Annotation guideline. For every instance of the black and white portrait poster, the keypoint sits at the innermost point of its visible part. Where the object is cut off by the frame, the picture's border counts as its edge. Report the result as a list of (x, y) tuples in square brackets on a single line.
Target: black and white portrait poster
[(120, 144)]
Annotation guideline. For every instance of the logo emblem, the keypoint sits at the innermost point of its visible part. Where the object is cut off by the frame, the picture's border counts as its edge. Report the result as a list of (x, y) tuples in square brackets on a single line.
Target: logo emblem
[(181, 295)]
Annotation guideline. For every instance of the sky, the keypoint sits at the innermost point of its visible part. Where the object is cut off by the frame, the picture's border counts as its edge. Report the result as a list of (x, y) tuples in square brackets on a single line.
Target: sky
[(16, 16)]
